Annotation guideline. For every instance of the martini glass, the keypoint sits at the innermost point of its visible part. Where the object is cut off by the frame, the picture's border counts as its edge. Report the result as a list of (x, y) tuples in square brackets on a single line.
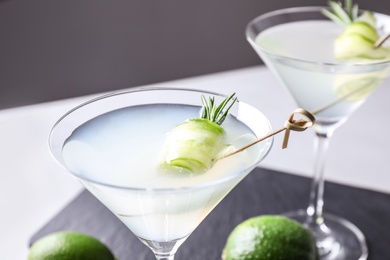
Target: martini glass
[(112, 144), (296, 44)]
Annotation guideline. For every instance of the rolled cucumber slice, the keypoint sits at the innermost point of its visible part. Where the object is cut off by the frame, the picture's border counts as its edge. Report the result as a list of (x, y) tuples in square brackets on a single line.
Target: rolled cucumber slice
[(367, 17), (193, 145), (197, 143), (358, 38), (353, 88), (364, 29), (355, 45)]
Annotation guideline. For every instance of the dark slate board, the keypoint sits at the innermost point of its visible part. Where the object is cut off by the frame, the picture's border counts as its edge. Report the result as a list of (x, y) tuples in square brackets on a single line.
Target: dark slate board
[(261, 192)]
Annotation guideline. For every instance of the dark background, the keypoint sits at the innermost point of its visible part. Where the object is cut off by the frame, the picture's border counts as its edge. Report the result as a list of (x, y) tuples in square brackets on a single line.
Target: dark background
[(52, 49)]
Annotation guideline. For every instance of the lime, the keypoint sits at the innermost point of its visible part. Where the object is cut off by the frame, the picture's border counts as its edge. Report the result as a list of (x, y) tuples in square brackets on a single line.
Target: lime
[(270, 237), (69, 245)]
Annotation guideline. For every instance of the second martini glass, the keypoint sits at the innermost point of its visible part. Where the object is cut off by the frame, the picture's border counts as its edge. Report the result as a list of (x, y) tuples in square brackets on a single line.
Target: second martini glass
[(297, 45), (112, 145)]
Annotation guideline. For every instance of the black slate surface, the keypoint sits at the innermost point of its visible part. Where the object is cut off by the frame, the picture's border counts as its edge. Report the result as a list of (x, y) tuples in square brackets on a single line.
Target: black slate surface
[(261, 192)]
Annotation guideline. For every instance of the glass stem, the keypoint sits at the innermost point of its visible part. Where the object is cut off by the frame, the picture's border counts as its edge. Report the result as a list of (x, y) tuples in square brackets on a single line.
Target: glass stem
[(164, 250), (165, 257), (316, 201)]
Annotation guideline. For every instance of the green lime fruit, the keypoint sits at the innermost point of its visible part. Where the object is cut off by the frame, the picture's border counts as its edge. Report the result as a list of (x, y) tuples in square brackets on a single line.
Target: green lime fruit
[(270, 237), (69, 245)]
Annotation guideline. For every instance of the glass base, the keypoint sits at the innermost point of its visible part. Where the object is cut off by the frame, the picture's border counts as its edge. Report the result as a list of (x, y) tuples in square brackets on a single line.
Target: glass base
[(337, 238), (163, 250)]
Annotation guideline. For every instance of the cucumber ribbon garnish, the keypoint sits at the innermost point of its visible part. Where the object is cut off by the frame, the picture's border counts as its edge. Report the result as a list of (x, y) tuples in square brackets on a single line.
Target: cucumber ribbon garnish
[(195, 144), (359, 35)]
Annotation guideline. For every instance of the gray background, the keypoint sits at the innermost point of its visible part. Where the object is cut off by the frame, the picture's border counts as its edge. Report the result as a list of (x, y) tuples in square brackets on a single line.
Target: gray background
[(52, 49)]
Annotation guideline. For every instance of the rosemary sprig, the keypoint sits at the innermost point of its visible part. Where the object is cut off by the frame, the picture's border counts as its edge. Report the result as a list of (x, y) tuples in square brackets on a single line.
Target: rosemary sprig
[(214, 113), (340, 14)]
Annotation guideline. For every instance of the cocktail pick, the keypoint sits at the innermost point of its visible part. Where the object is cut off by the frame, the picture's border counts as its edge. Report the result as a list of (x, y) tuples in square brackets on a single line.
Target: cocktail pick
[(290, 125), (298, 125), (381, 40)]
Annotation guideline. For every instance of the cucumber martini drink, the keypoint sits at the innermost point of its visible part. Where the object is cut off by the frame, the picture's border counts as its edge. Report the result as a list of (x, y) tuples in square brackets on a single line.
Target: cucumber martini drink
[(339, 90), (153, 157), (330, 67)]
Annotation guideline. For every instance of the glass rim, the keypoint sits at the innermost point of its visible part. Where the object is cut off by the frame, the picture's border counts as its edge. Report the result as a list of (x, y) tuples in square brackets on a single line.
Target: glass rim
[(59, 160), (307, 9)]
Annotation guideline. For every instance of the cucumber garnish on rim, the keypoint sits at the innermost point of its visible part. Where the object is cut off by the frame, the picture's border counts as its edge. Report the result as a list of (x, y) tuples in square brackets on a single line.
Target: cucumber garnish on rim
[(195, 144), (359, 35)]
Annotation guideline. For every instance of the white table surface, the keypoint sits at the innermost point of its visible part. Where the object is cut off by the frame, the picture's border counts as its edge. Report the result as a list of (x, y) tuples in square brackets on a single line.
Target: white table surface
[(34, 187)]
